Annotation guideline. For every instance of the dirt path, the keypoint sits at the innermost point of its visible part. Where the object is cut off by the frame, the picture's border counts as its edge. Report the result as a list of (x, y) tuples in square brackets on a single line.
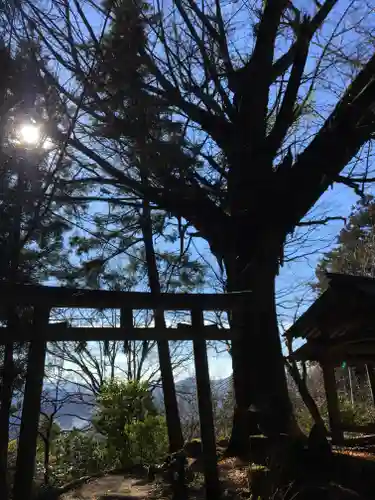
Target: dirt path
[(233, 475), (111, 487)]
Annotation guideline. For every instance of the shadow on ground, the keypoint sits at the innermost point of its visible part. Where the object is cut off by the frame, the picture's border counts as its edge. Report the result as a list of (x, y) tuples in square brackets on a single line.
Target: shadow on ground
[(117, 496), (141, 482)]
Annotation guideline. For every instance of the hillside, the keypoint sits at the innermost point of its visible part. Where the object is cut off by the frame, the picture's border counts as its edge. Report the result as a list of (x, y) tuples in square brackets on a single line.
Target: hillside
[(76, 406)]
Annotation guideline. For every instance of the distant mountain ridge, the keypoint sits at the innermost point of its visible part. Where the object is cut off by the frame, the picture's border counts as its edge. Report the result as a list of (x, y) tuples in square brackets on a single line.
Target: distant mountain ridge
[(79, 404)]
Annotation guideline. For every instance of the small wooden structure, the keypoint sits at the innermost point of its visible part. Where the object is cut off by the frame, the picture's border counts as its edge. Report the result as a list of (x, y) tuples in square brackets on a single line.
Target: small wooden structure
[(41, 299), (339, 327)]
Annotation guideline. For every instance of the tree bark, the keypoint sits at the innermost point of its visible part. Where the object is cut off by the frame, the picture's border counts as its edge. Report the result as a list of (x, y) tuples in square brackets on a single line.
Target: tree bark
[(47, 445), (258, 365), (371, 380), (13, 323), (176, 440), (5, 407), (351, 388), (330, 387), (306, 396)]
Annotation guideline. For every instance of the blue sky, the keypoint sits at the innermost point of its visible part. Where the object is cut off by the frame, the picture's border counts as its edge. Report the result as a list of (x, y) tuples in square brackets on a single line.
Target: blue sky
[(294, 278), (292, 283)]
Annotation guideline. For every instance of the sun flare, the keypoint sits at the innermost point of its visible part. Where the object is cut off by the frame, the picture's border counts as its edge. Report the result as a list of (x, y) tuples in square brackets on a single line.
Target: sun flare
[(30, 134)]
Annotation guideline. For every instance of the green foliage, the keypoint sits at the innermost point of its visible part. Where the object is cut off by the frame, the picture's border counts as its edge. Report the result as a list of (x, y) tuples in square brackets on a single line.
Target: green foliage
[(355, 250), (12, 446), (305, 420), (12, 452), (223, 406), (148, 439), (31, 226), (77, 453), (361, 413), (119, 234), (49, 431), (121, 403), (127, 418)]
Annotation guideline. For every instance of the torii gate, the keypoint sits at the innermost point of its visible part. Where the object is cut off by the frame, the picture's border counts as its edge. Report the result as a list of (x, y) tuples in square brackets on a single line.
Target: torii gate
[(43, 298)]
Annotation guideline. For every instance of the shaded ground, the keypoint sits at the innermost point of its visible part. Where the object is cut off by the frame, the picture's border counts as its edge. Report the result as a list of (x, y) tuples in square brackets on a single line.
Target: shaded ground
[(354, 468), (233, 474), (361, 447), (112, 487), (119, 487)]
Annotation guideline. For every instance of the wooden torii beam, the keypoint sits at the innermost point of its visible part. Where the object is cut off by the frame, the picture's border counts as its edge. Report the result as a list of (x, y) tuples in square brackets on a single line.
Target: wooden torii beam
[(59, 333), (52, 296), (43, 298)]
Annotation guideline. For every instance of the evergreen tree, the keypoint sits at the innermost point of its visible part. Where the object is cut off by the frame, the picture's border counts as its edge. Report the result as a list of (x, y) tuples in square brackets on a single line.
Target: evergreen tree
[(354, 253), (133, 231), (31, 229), (122, 409), (112, 254)]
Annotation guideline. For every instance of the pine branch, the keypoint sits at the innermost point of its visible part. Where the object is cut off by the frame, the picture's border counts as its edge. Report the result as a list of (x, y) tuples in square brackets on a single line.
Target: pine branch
[(192, 204)]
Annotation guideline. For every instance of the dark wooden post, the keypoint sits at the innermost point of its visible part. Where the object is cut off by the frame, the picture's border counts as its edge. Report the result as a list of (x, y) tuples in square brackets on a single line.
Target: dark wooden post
[(25, 466), (332, 402), (205, 409), (371, 380), (175, 437), (126, 322), (126, 318)]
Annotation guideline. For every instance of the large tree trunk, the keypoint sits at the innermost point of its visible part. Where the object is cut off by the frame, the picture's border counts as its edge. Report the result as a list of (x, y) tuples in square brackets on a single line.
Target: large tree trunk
[(6, 393), (258, 364)]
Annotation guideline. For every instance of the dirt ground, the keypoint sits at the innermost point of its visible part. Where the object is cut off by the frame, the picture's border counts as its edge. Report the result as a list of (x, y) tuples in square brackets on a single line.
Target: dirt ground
[(119, 487), (112, 487), (355, 462)]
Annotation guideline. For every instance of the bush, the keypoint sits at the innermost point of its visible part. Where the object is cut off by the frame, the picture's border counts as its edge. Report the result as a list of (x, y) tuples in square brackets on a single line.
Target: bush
[(77, 454), (12, 452), (148, 440), (128, 420), (360, 414), (126, 430)]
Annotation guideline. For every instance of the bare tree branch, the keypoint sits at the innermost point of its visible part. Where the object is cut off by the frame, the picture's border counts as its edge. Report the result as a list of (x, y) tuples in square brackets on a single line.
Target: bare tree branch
[(320, 222)]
